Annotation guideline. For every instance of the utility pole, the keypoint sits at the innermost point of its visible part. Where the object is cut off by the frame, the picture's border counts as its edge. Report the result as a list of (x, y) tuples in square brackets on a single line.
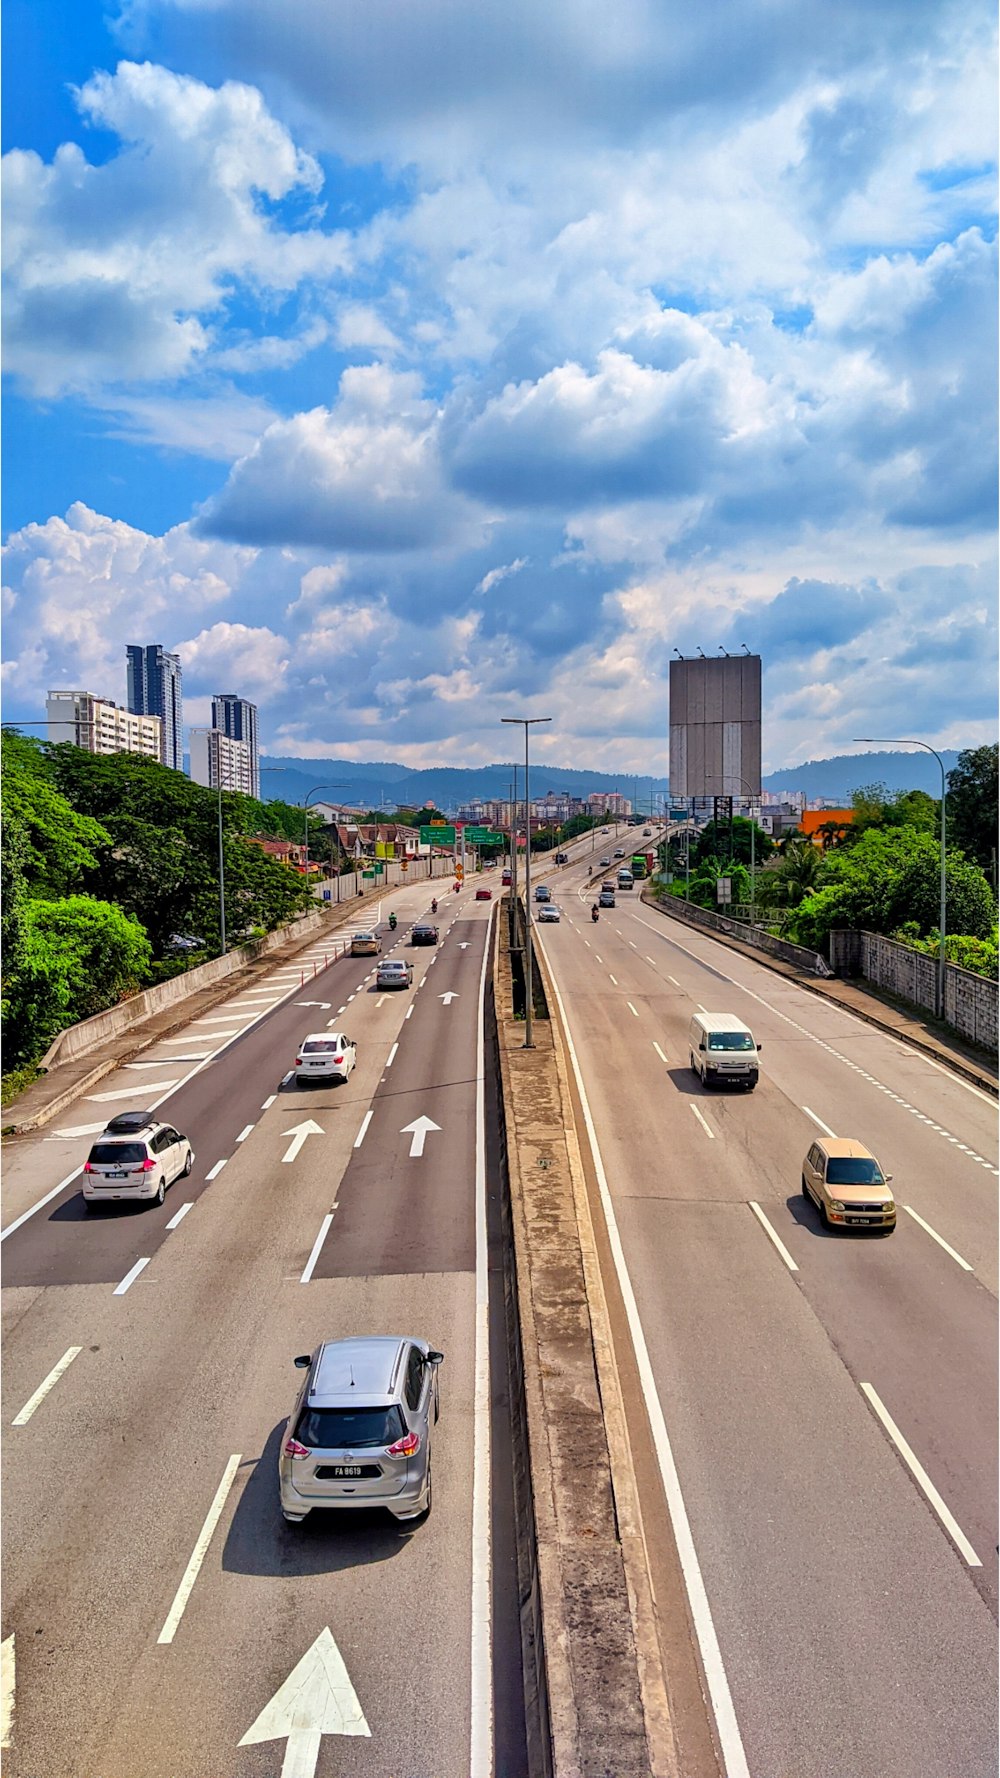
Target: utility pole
[(528, 722)]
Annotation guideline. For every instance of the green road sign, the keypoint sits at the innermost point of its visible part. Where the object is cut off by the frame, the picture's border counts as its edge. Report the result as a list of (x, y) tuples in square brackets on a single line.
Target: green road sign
[(483, 836), (437, 836)]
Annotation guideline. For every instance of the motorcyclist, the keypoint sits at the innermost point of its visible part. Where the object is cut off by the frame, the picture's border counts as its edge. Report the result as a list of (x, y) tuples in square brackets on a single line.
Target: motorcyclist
[(392, 922), (594, 912), (434, 905)]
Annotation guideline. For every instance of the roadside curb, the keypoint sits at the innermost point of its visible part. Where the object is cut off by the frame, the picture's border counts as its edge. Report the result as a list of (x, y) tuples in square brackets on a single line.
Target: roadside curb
[(606, 1707), (908, 1031)]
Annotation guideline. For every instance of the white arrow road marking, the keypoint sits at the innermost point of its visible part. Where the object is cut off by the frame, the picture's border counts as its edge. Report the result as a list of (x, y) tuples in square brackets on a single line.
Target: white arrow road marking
[(463, 945), (298, 1135), (316, 1699), (6, 1690), (325, 1004), (419, 1128), (449, 997)]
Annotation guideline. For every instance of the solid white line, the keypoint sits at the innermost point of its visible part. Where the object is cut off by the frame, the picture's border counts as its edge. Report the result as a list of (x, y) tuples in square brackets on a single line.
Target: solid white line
[(182, 1212), (42, 1391), (818, 1120), (217, 1169), (269, 1101), (923, 1480), (199, 1552), (631, 1008), (54, 1193), (130, 1277), (774, 1236), (733, 1753), (391, 1057), (481, 1713), (708, 1131), (362, 1133), (245, 1132), (660, 1053), (324, 1230), (938, 1238), (7, 1689)]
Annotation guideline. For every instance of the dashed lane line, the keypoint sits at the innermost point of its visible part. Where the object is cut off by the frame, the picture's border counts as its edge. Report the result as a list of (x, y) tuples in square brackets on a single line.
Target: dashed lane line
[(175, 1221), (703, 1121), (199, 1552), (773, 1235), (130, 1277), (922, 1479), (49, 1382)]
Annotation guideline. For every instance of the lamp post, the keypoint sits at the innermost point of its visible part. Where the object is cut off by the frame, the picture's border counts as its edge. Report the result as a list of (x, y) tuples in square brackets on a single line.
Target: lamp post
[(753, 840), (513, 849), (907, 741), (339, 784), (528, 722)]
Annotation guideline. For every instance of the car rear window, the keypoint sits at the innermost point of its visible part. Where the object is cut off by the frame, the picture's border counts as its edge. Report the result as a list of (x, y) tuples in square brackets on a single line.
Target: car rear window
[(841, 1170), (392, 968), (322, 1047), (730, 1040), (117, 1154), (339, 1429)]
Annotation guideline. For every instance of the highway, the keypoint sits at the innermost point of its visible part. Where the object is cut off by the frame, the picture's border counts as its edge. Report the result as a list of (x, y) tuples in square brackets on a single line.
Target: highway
[(157, 1600), (824, 1404)]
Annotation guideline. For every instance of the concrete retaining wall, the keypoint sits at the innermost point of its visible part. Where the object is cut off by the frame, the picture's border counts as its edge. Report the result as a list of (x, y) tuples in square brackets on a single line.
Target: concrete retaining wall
[(970, 1001), (750, 935)]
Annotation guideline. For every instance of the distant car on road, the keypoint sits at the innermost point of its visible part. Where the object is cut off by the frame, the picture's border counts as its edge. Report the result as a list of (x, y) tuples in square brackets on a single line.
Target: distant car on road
[(137, 1157), (547, 914), (394, 973), (543, 892), (325, 1055), (619, 851), (848, 1186), (646, 832), (424, 934), (606, 899), (484, 895), (359, 1434), (505, 879), (180, 942), (562, 857), (365, 944), (605, 862)]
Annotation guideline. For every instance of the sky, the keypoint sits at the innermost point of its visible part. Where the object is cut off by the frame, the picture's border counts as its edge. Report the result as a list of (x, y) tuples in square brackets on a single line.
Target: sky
[(408, 365)]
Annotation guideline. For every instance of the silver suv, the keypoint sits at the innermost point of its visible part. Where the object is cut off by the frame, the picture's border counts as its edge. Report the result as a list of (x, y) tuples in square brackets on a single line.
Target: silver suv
[(137, 1157), (359, 1434)]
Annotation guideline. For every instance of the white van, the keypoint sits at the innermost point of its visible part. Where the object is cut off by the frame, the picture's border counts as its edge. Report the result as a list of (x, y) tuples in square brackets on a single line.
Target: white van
[(624, 879), (723, 1049)]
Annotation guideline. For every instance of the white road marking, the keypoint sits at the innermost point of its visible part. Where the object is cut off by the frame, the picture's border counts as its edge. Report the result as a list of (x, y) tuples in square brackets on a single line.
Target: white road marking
[(362, 1133), (612, 978), (419, 1130), (660, 1053), (217, 1169), (670, 978), (199, 1552), (652, 960), (631, 1008), (316, 1699), (136, 1091), (774, 1236), (227, 1019), (733, 1752), (923, 1480), (705, 1126), (587, 943), (78, 1130), (7, 1687), (269, 1101), (299, 1134), (598, 959), (245, 1132), (179, 1218), (384, 997), (324, 1230), (818, 1120), (409, 1013), (35, 1401), (343, 1008), (391, 1057), (449, 997), (130, 1277), (287, 1077), (481, 1711), (938, 1238)]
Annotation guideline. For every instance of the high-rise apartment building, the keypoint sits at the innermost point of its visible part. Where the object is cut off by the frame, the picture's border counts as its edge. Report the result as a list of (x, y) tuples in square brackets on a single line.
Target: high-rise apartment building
[(220, 763), (154, 689), (238, 720), (100, 726)]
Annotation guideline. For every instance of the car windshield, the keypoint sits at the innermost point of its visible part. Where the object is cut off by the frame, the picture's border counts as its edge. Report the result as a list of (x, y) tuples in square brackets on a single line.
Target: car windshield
[(117, 1154), (841, 1170), (340, 1429), (730, 1040)]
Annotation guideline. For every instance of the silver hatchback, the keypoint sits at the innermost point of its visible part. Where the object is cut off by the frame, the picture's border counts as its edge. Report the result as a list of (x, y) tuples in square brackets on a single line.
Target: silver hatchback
[(359, 1434)]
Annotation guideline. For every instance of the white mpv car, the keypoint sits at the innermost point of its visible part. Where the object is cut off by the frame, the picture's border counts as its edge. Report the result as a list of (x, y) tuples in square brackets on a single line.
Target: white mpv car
[(137, 1157)]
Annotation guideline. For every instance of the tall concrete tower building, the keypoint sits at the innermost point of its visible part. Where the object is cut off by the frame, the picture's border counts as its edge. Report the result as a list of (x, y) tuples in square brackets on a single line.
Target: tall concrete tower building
[(154, 689), (237, 719)]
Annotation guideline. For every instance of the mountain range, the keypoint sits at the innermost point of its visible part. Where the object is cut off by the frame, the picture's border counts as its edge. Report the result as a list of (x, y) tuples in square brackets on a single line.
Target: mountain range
[(387, 785)]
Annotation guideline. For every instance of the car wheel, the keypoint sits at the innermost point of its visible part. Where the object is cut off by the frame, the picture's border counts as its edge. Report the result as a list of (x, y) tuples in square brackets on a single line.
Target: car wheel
[(188, 1164), (161, 1190), (805, 1190), (425, 1511)]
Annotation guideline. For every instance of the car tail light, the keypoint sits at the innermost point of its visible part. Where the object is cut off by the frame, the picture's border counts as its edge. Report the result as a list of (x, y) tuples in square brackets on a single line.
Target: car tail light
[(294, 1449), (87, 1167), (338, 1058), (147, 1166), (405, 1447)]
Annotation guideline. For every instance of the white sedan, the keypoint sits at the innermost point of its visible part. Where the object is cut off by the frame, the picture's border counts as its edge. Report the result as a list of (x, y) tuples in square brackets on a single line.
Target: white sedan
[(547, 914), (325, 1055)]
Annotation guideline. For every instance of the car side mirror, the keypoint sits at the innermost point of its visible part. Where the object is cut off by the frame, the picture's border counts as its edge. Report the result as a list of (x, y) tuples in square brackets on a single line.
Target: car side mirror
[(303, 1362), (888, 1178), (701, 1045), (760, 1046), (434, 1358)]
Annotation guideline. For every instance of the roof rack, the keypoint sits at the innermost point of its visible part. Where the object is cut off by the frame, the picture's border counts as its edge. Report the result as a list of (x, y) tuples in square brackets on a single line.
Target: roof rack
[(129, 1123)]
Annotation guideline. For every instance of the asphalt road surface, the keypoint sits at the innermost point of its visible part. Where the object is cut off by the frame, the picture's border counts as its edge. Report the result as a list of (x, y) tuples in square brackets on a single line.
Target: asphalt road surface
[(825, 1402), (166, 1621)]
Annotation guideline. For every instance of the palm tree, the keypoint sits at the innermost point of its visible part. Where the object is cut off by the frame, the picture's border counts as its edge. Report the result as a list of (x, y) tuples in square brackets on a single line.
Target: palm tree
[(800, 870)]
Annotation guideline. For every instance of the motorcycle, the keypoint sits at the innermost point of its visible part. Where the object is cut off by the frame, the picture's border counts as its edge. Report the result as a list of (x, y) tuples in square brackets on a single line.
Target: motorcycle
[(434, 906), (595, 916), (392, 922)]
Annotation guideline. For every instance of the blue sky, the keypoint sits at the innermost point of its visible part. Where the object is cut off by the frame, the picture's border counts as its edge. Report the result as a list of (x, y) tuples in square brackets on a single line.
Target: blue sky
[(407, 365)]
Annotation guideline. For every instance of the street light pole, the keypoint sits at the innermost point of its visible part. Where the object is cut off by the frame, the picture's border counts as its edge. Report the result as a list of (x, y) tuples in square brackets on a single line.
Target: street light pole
[(529, 722), (338, 784), (904, 741), (753, 839)]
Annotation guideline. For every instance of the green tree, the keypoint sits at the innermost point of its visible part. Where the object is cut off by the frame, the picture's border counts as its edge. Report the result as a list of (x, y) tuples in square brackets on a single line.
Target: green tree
[(973, 797), (714, 840), (891, 876), (78, 956), (57, 844)]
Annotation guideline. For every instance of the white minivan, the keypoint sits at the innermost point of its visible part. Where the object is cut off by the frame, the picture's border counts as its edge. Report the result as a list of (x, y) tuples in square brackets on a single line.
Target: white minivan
[(723, 1050)]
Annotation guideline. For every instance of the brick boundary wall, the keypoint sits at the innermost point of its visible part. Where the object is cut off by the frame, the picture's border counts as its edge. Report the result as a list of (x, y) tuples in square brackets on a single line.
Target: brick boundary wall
[(970, 1000)]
